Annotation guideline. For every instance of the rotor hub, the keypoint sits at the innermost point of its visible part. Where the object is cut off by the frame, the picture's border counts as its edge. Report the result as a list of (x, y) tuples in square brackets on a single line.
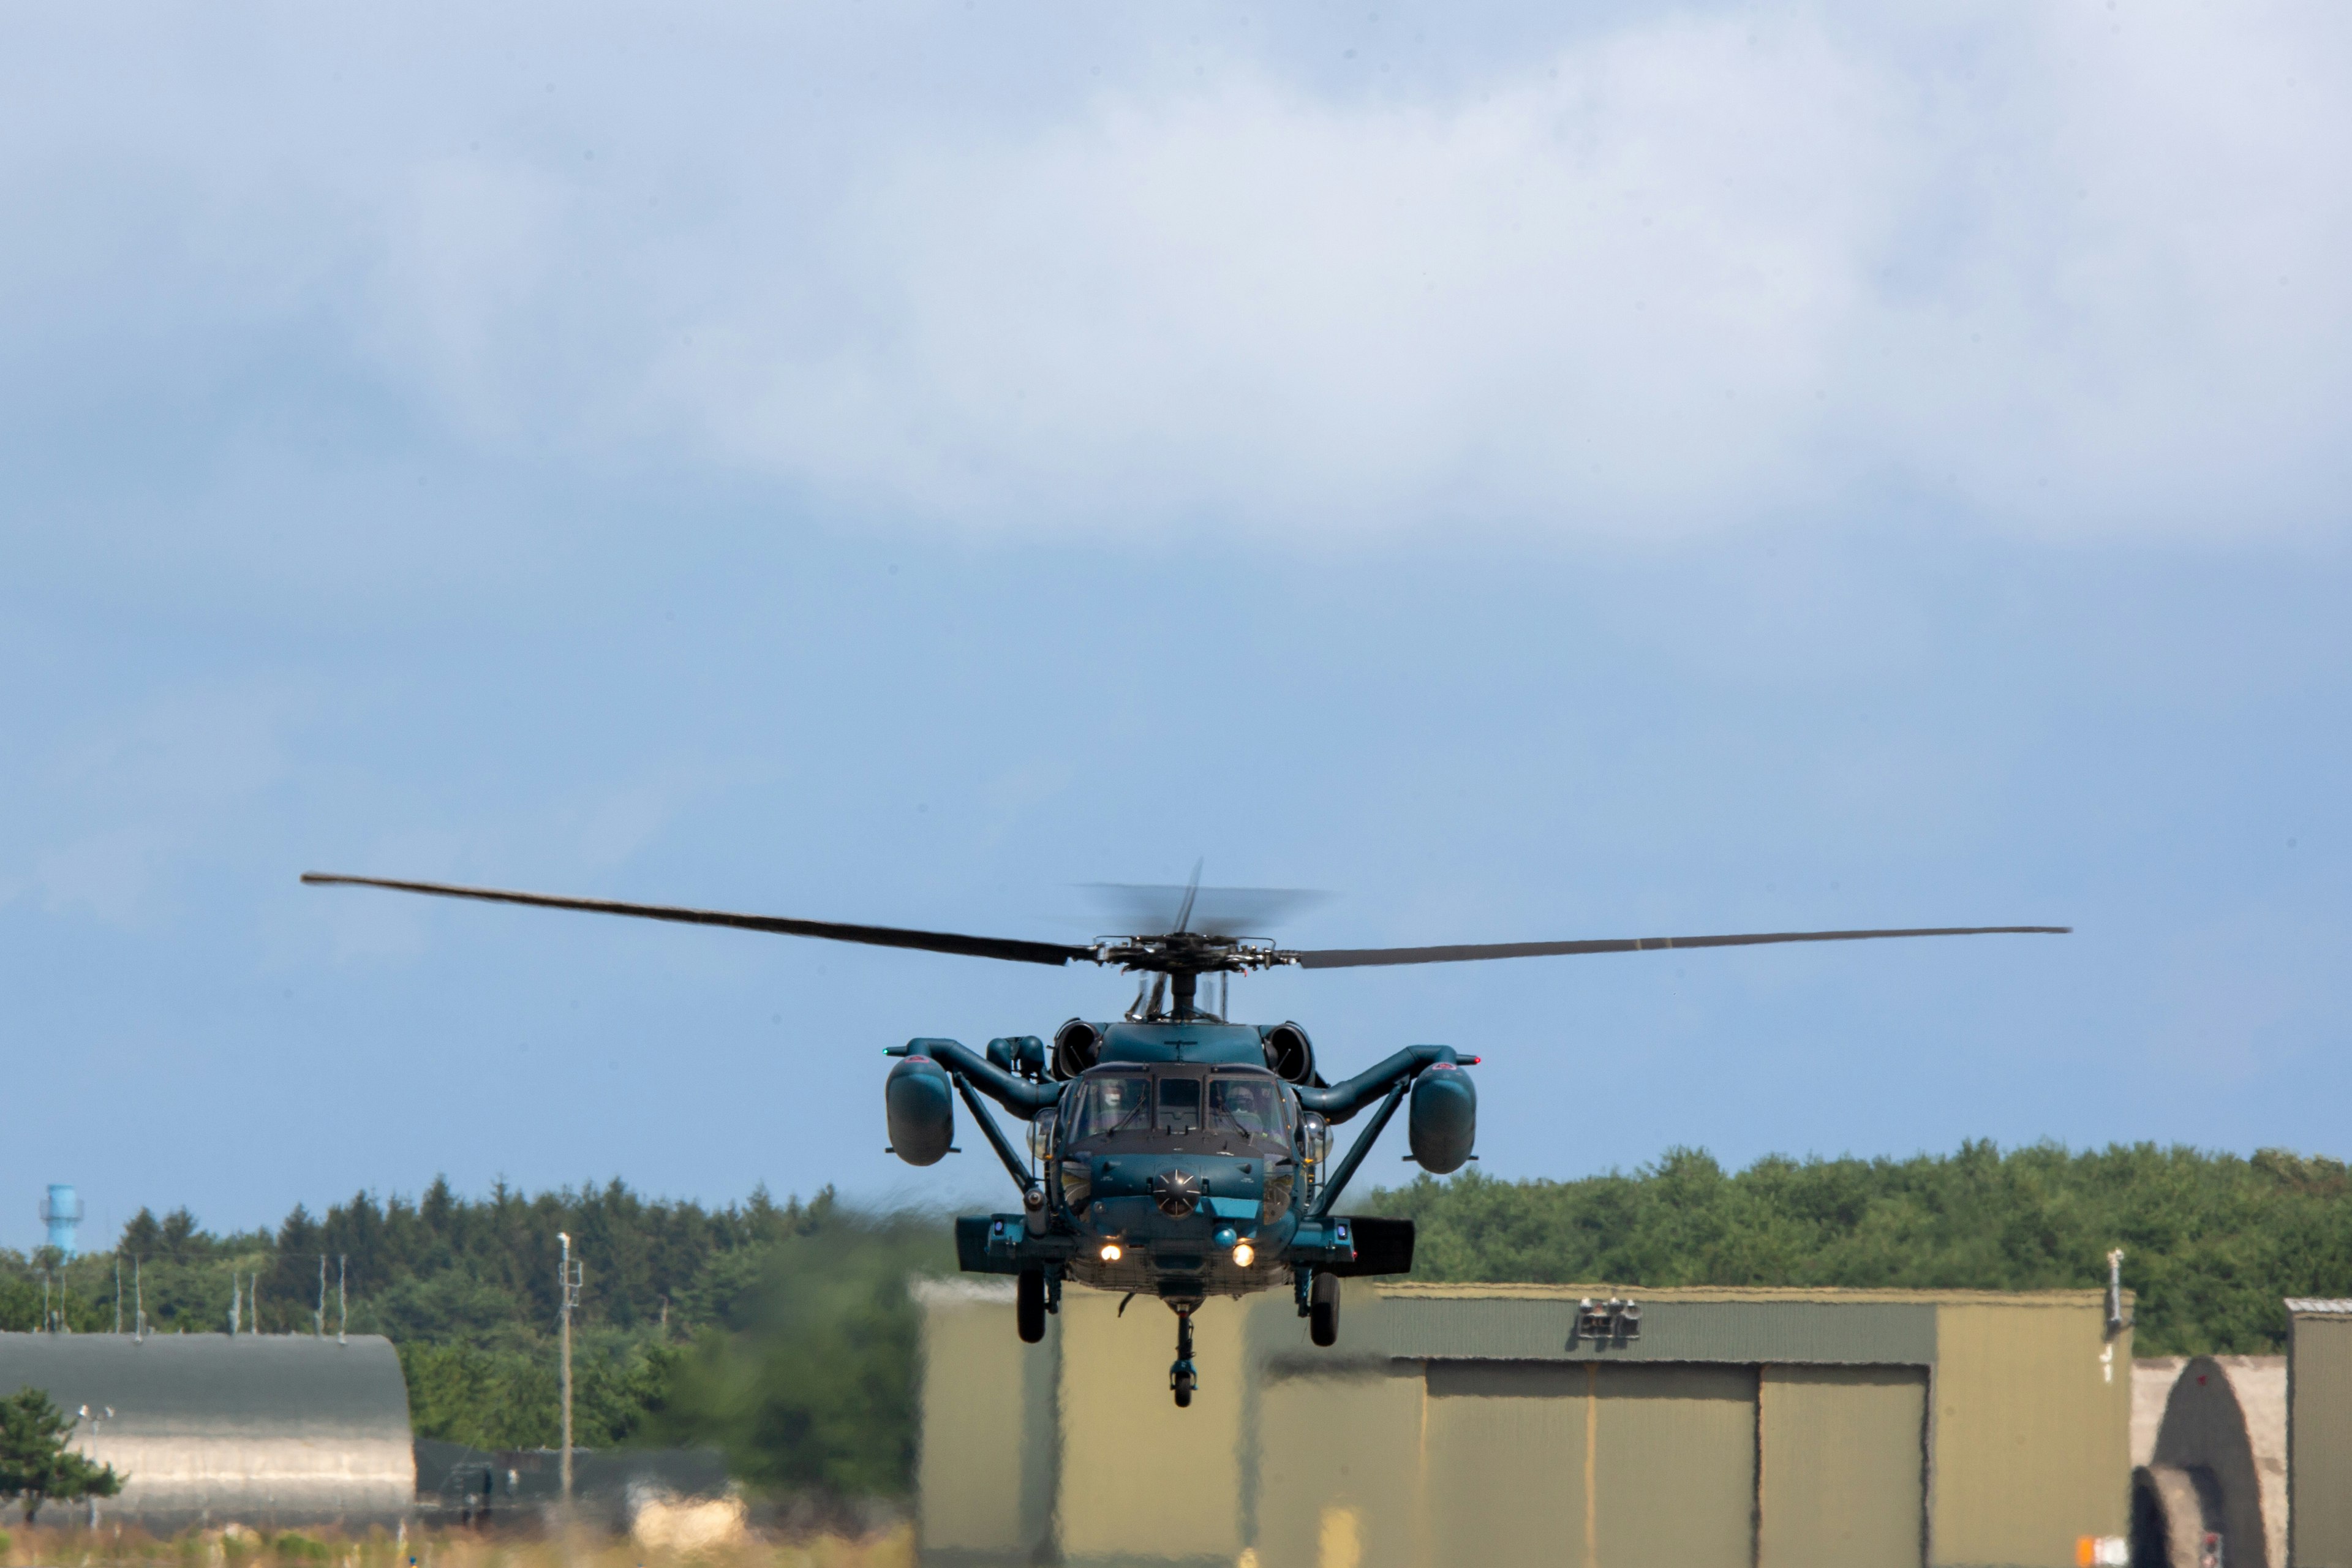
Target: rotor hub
[(1190, 953)]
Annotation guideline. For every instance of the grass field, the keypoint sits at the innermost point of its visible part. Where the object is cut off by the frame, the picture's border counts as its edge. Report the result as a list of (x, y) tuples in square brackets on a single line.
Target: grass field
[(69, 1548)]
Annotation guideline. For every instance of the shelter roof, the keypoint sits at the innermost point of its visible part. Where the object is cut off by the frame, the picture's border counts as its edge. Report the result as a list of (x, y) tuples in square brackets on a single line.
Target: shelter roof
[(1695, 1294)]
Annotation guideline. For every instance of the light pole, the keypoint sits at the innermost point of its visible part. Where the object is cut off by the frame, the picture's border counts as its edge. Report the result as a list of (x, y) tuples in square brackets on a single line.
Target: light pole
[(568, 1278)]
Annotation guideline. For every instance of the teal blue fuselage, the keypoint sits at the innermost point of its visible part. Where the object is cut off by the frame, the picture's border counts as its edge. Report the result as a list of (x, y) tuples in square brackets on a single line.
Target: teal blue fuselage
[(1170, 1159)]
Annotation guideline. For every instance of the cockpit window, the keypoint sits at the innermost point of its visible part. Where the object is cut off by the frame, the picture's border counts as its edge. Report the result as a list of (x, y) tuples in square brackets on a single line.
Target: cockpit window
[(1113, 1105), (1245, 1106), (1179, 1105)]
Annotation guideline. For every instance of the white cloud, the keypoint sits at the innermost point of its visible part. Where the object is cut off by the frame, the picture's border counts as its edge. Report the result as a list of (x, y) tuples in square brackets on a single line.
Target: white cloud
[(1573, 304), (2067, 269)]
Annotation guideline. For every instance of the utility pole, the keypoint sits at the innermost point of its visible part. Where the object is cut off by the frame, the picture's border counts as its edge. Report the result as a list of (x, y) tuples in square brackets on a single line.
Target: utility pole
[(235, 1301), (568, 1278), (118, 1293), (343, 1302), (319, 1322), (138, 1299)]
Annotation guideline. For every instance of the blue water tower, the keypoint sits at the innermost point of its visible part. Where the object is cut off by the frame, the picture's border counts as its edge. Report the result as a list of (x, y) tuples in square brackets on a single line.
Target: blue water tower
[(61, 1211)]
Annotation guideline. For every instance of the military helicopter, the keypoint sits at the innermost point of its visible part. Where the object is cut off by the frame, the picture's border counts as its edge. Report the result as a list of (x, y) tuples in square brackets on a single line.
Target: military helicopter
[(1173, 1153)]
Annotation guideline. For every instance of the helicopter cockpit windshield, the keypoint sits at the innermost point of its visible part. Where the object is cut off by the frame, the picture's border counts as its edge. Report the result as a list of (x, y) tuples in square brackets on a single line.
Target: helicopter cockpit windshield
[(1179, 1105), (1111, 1103), (1247, 1107), (1237, 1107)]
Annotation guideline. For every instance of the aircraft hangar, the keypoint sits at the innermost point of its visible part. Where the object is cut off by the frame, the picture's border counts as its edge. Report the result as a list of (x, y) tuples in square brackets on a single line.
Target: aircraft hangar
[(276, 1430), (2319, 1433), (1507, 1424)]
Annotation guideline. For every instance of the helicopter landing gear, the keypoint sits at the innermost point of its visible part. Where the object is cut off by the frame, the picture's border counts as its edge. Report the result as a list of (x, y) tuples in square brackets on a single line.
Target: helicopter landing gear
[(1323, 1310), (1181, 1378), (1029, 1306)]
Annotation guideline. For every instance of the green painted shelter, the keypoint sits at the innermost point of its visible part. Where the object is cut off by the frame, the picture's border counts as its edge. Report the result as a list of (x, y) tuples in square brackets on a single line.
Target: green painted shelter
[(2319, 1434), (1492, 1425)]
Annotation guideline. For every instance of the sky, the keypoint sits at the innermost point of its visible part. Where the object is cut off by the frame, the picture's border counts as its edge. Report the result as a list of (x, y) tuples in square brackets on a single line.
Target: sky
[(1658, 471)]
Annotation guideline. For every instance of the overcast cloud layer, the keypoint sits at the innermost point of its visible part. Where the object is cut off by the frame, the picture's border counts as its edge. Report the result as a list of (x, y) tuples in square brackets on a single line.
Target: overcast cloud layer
[(2072, 268)]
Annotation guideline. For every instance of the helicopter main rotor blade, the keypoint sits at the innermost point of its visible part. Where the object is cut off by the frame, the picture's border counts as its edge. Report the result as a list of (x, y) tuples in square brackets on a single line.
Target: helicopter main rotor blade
[(1361, 957), (1216, 911), (1191, 891), (1052, 953)]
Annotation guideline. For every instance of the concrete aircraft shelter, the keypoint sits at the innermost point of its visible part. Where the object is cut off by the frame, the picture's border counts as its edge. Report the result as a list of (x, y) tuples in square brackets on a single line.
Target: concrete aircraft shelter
[(2209, 1454), (276, 1429), (1472, 1424)]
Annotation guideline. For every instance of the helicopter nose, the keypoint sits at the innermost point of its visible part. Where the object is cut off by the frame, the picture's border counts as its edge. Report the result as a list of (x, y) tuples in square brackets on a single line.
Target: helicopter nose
[(1177, 1191)]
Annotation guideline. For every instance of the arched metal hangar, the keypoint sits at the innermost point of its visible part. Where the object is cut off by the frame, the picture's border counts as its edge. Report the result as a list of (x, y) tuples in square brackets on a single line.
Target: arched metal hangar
[(264, 1429)]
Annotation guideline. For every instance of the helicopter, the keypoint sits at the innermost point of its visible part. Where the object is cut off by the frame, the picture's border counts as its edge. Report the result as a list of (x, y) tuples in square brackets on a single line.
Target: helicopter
[(1172, 1151)]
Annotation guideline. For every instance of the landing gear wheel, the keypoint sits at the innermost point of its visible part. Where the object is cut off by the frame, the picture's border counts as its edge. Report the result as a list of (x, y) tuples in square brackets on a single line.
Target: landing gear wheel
[(1029, 1306), (1323, 1311), (1181, 1378)]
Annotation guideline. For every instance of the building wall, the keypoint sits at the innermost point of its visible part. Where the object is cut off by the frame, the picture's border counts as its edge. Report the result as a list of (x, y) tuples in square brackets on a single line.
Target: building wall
[(260, 1429), (2031, 1430), (2319, 1434), (1139, 1477), (1339, 1477), (985, 1454), (1843, 1467), (1747, 1429)]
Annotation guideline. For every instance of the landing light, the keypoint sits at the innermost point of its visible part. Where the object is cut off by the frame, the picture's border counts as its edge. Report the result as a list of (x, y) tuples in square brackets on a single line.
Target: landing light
[(1244, 1255), (1110, 1252)]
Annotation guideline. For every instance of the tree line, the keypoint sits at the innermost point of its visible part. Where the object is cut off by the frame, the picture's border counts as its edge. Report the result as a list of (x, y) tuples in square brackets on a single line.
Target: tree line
[(784, 1334), (2212, 1243)]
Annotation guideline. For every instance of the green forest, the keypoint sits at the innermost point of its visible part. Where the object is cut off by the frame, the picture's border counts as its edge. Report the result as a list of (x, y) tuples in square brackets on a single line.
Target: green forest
[(784, 1334), (2212, 1243)]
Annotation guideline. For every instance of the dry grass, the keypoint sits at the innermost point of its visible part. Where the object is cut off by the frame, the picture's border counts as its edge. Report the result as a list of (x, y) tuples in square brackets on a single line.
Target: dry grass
[(233, 1548)]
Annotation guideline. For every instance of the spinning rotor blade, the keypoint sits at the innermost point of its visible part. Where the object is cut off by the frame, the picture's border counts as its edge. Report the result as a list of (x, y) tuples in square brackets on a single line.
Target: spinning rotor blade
[(1191, 891), (1361, 957), (1140, 908), (1051, 952)]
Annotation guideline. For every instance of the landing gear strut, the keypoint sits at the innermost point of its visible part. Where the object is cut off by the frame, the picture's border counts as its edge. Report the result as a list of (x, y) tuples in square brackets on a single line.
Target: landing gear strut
[(1180, 1376)]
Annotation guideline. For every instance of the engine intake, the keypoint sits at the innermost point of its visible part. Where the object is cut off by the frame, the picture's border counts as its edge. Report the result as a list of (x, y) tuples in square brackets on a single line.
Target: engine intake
[(1289, 1053), (1076, 1045)]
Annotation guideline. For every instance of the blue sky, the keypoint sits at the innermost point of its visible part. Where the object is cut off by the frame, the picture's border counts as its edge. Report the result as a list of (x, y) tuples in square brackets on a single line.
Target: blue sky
[(1679, 469)]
